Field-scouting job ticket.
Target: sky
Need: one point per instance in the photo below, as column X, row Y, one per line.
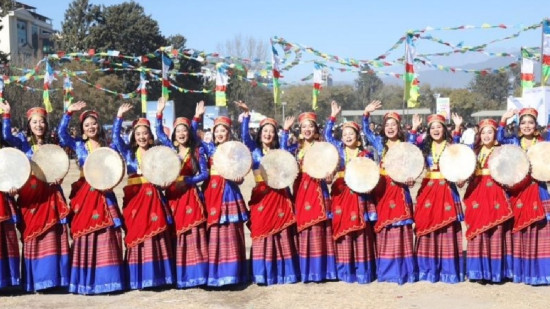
column 357, row 29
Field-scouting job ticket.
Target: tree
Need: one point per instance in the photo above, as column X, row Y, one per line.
column 80, row 18
column 493, row 88
column 367, row 84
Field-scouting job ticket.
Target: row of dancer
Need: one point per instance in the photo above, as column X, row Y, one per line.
column 310, row 236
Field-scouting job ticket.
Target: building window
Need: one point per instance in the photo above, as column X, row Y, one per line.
column 22, row 32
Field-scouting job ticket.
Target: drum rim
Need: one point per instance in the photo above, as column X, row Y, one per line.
column 153, row 179
column 308, row 155
column 53, row 146
column 109, row 149
column 27, row 163
column 418, row 153
column 295, row 168
column 366, row 159
column 217, row 155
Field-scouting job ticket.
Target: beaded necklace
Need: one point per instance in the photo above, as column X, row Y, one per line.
column 138, row 157
column 350, row 154
column 524, row 145
column 484, row 153
column 303, row 150
column 436, row 156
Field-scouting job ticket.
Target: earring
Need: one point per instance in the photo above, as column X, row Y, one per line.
column 151, row 142
column 358, row 143
column 84, row 137
column 300, row 136
column 316, row 136
column 176, row 144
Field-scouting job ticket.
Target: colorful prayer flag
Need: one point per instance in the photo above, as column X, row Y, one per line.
column 48, row 79
column 143, row 91
column 221, row 84
column 166, row 63
column 545, row 51
column 317, row 82
column 411, row 81
column 276, row 74
column 527, row 67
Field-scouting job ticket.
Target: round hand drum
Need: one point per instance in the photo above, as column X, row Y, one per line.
column 320, row 160
column 404, row 161
column 279, row 169
column 104, row 168
column 508, row 165
column 362, row 174
column 232, row 160
column 457, row 163
column 161, row 165
column 15, row 169
column 538, row 155
column 50, row 163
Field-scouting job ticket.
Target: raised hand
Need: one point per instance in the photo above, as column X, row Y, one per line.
column 200, row 109
column 161, row 104
column 416, row 122
column 457, row 120
column 372, row 106
column 75, row 107
column 123, row 109
column 240, row 104
column 335, row 109
column 508, row 114
column 5, row 106
column 289, row 121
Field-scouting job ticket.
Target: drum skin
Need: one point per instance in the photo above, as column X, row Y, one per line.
column 15, row 169
column 404, row 161
column 362, row 174
column 508, row 165
column 50, row 163
column 104, row 168
column 320, row 160
column 160, row 165
column 232, row 160
column 457, row 163
column 279, row 169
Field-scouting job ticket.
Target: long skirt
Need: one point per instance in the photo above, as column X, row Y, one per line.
column 192, row 257
column 97, row 263
column 275, row 258
column 9, row 255
column 149, row 263
column 439, row 255
column 356, row 256
column 316, row 252
column 46, row 260
column 531, row 254
column 226, row 254
column 396, row 261
column 489, row 254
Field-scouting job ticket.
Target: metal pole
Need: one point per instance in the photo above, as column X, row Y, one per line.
column 283, row 104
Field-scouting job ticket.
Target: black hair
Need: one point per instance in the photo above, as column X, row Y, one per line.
column 358, row 137
column 100, row 132
column 400, row 135
column 45, row 136
column 536, row 134
column 477, row 140
column 229, row 132
column 274, row 144
column 316, row 135
column 133, row 143
column 427, row 147
column 192, row 144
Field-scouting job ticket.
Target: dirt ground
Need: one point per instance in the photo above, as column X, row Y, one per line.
column 311, row 295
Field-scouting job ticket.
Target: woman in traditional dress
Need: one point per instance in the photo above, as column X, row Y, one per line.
column 44, row 228
column 186, row 202
column 9, row 244
column 272, row 222
column 313, row 211
column 531, row 206
column 97, row 264
column 488, row 216
column 149, row 255
column 354, row 214
column 394, row 234
column 438, row 211
column 226, row 214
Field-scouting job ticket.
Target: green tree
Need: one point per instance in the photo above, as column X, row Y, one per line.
column 80, row 18
column 493, row 87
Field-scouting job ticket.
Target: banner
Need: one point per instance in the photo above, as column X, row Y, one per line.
column 411, row 82
column 538, row 98
column 317, row 82
column 527, row 69
column 443, row 107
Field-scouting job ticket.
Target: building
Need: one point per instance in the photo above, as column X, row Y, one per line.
column 25, row 32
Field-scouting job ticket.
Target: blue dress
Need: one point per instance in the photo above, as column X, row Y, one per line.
column 149, row 254
column 531, row 248
column 226, row 214
column 46, row 260
column 272, row 224
column 97, row 263
column 187, row 205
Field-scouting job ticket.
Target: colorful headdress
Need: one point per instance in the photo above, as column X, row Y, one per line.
column 393, row 115
column 352, row 124
column 36, row 111
column 141, row 122
column 311, row 116
column 182, row 120
column 529, row 111
column 223, row 120
column 487, row 123
column 270, row 121
column 436, row 117
column 88, row 113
